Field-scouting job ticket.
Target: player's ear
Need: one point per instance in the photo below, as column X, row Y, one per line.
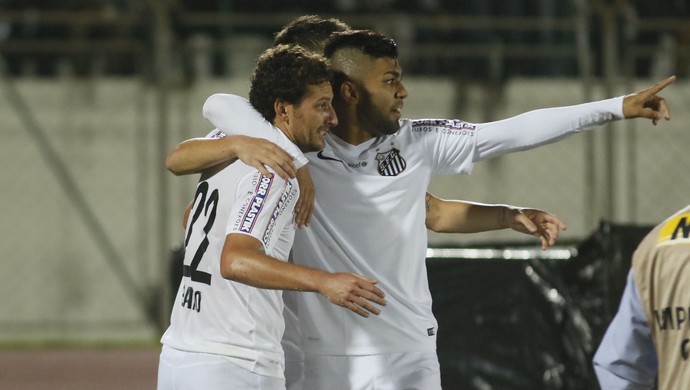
column 281, row 109
column 349, row 92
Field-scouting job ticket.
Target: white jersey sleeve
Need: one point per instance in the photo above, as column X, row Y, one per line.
column 452, row 145
column 540, row 127
column 448, row 145
column 264, row 203
column 234, row 115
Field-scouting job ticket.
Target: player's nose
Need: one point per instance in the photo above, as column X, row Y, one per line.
column 331, row 118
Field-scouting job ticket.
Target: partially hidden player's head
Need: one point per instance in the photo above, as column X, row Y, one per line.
column 368, row 78
column 309, row 31
column 292, row 89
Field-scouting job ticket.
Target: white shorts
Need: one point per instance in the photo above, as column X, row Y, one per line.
column 395, row 371
column 180, row 370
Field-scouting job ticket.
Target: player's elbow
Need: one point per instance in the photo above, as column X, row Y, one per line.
column 430, row 224
column 240, row 258
column 172, row 163
column 218, row 102
column 436, row 226
column 231, row 267
column 434, row 220
column 237, row 265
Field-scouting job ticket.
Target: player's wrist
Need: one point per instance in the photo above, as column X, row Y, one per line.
column 233, row 145
column 315, row 280
column 509, row 216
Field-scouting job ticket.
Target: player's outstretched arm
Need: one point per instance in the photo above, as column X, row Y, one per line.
column 647, row 104
column 540, row 127
column 244, row 261
column 197, row 154
column 454, row 216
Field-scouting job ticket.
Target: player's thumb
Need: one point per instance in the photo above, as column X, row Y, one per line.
column 526, row 223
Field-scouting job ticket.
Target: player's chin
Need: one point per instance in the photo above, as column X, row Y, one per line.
column 321, row 137
column 317, row 144
column 391, row 128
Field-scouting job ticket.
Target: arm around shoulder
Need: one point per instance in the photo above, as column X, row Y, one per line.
column 235, row 115
column 196, row 154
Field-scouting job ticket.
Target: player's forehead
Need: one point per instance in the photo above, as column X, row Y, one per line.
column 318, row 92
column 382, row 67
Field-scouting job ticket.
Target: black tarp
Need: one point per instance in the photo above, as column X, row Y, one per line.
column 534, row 323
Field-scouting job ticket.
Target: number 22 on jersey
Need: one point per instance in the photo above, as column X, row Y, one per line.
column 205, row 210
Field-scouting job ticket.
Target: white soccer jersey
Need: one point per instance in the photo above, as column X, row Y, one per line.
column 369, row 215
column 218, row 316
column 369, row 218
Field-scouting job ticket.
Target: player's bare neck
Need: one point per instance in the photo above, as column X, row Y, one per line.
column 351, row 134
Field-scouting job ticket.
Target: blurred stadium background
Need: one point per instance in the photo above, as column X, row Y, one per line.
column 96, row 92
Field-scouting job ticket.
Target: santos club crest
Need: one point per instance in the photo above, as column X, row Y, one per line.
column 390, row 163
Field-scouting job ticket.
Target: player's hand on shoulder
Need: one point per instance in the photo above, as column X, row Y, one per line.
column 259, row 153
column 354, row 292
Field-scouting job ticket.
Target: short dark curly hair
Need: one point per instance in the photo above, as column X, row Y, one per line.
column 309, row 31
column 284, row 73
column 368, row 42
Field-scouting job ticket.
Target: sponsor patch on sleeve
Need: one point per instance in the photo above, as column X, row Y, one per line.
column 256, row 203
column 216, row 134
column 286, row 197
column 446, row 126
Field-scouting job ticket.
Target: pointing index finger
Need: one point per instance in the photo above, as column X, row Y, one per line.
column 653, row 90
